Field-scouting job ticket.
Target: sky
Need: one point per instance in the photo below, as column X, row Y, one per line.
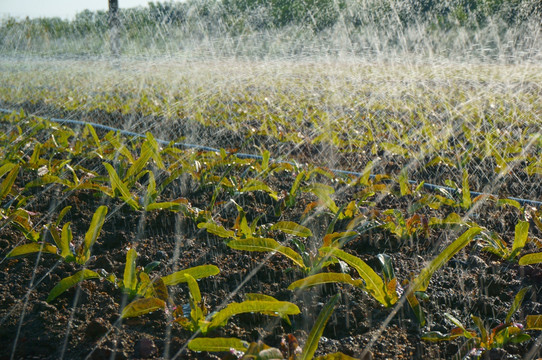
column 61, row 8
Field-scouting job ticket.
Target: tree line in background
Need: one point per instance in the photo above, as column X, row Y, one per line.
column 240, row 17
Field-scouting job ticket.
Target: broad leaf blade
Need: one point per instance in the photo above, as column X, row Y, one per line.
column 421, row 282
column 116, row 183
column 290, row 227
column 31, row 248
column 520, row 238
column 531, row 259
column 533, row 322
column 130, row 277
column 217, row 230
column 92, row 233
column 324, row 278
column 196, row 272
column 142, row 306
column 318, row 328
column 373, row 283
column 70, row 282
column 518, row 299
column 217, row 344
column 280, row 307
column 8, row 182
column 265, row 245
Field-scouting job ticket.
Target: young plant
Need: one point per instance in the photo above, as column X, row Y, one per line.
column 63, row 242
column 152, row 295
column 289, row 349
column 485, row 339
column 494, row 244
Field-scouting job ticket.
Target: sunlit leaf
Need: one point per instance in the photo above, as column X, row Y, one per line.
column 533, row 322
column 197, row 272
column 325, row 278
column 520, row 238
column 217, row 344
column 70, row 282
column 266, row 245
column 292, row 228
column 216, row 230
column 280, row 307
column 92, row 233
column 374, row 284
column 31, row 248
column 421, row 282
column 130, row 277
column 7, row 184
column 142, row 306
column 518, row 299
column 531, row 259
column 317, row 329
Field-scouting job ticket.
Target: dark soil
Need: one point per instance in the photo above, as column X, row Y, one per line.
column 85, row 321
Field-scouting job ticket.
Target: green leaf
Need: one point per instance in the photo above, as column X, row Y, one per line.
column 31, row 248
column 130, row 276
column 138, row 165
column 290, row 227
column 92, row 234
column 317, row 329
column 257, row 185
column 323, row 193
column 466, row 200
column 70, row 282
column 193, row 288
column 518, row 299
column 435, row 336
column 197, row 272
column 531, row 259
column 63, row 213
column 520, row 238
column 280, row 307
column 324, row 278
column 142, row 306
column 8, row 182
column 66, row 238
column 217, row 230
column 481, row 328
column 374, row 284
column 155, row 150
column 421, row 282
column 266, row 245
column 262, row 297
column 533, row 322
column 217, row 344
column 117, row 184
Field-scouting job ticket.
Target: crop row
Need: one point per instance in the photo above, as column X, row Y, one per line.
column 144, row 177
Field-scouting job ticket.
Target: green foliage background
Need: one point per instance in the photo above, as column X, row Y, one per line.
column 279, row 27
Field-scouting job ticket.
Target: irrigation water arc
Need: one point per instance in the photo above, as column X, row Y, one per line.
column 259, row 157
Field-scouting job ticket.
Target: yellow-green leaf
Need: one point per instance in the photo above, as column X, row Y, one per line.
column 31, row 248
column 142, row 306
column 197, row 272
column 317, row 329
column 217, row 230
column 421, row 282
column 533, row 322
column 265, row 245
column 531, row 259
column 374, row 284
column 292, row 228
column 324, row 278
column 71, row 281
column 217, row 344
column 279, row 307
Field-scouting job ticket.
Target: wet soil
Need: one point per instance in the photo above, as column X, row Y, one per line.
column 84, row 322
